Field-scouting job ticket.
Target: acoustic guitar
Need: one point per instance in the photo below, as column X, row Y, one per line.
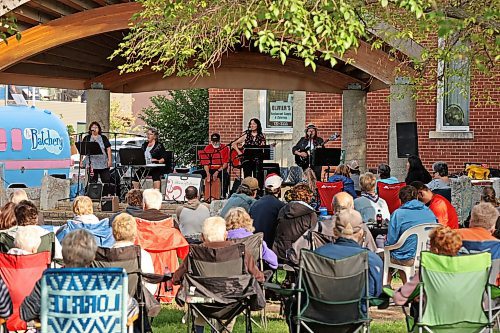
column 303, row 162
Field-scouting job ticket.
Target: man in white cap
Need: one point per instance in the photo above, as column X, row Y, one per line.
column 264, row 211
column 348, row 231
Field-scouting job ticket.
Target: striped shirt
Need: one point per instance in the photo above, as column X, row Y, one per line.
column 5, row 301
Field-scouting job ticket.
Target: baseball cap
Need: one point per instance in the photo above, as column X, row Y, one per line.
column 348, row 222
column 353, row 165
column 311, row 126
column 251, row 182
column 215, row 137
column 273, row 181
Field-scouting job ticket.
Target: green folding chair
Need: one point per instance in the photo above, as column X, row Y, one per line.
column 454, row 288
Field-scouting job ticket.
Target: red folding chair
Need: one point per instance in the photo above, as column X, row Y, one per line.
column 327, row 191
column 20, row 273
column 390, row 193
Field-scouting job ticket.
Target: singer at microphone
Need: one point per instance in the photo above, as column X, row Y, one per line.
column 98, row 165
column 305, row 147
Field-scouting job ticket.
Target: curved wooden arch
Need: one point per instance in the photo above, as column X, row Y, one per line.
column 66, row 29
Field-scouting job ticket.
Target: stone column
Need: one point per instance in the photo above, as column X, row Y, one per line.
column 403, row 108
column 354, row 126
column 98, row 107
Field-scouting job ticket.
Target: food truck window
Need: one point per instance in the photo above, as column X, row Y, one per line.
column 17, row 139
column 3, row 140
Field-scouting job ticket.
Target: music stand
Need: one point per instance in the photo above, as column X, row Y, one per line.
column 132, row 157
column 207, row 159
column 88, row 149
column 257, row 154
column 327, row 157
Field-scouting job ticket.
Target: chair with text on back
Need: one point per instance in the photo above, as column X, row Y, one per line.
column 421, row 232
column 217, row 286
column 327, row 191
column 390, row 193
column 20, row 274
column 98, row 299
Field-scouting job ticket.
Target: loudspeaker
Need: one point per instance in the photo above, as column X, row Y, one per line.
column 407, row 139
column 110, row 204
column 94, row 191
column 269, row 168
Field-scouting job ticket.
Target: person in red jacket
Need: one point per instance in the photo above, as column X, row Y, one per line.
column 440, row 206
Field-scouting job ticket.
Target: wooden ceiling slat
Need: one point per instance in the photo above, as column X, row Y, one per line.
column 70, row 52
column 42, row 81
column 54, row 6
column 46, row 70
column 74, row 5
column 32, row 16
column 50, row 59
column 101, row 2
column 35, row 5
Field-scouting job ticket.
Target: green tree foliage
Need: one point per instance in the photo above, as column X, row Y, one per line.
column 190, row 37
column 8, row 25
column 181, row 118
column 120, row 121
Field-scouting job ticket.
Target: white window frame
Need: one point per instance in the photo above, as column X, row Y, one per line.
column 263, row 116
column 440, row 101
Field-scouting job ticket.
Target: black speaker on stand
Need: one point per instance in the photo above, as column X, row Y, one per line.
column 407, row 139
column 94, row 191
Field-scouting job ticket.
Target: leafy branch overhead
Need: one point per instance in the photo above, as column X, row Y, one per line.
column 190, row 37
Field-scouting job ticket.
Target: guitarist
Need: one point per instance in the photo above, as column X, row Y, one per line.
column 306, row 145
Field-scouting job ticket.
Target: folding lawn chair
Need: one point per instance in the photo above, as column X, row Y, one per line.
column 327, row 191
column 217, row 286
column 454, row 289
column 84, row 300
column 390, row 193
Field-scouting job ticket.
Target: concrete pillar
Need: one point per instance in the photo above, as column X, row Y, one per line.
column 402, row 109
column 354, row 126
column 98, row 107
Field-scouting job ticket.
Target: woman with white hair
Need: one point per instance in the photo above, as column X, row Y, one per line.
column 369, row 204
column 27, row 241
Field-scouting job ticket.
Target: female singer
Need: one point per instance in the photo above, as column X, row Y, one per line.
column 98, row 164
column 155, row 153
column 253, row 137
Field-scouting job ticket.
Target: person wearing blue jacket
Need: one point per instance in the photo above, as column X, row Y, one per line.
column 343, row 174
column 411, row 213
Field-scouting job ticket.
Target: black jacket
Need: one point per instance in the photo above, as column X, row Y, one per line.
column 158, row 152
column 264, row 213
column 294, row 219
column 303, row 142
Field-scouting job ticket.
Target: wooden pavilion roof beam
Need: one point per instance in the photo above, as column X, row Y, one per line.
column 32, row 16
column 55, row 8
column 8, row 5
column 79, row 5
column 69, row 52
column 75, row 63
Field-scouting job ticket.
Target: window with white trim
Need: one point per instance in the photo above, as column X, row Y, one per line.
column 276, row 111
column 453, row 94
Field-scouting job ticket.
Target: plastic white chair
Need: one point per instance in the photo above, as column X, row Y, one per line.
column 422, row 231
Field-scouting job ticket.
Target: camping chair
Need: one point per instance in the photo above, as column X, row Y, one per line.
column 48, row 243
column 253, row 246
column 217, row 285
column 128, row 258
column 20, row 274
column 166, row 245
column 98, row 297
column 450, row 281
column 390, row 193
column 327, row 191
column 420, row 231
column 101, row 231
column 331, row 295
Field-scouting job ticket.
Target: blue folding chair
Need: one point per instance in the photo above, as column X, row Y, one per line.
column 84, row 300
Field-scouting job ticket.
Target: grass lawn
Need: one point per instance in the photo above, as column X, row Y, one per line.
column 170, row 318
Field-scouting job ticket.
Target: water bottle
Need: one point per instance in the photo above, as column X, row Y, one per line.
column 168, row 284
column 379, row 219
column 323, row 211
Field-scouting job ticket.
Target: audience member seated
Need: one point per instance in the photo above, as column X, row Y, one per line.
column 340, row 202
column 482, row 223
column 191, row 215
column 85, row 219
column 27, row 215
column 443, row 241
column 265, row 210
column 151, row 205
column 27, row 241
column 355, row 175
column 214, row 235
column 125, row 233
column 78, row 250
column 244, row 196
column 239, row 225
column 342, row 174
column 133, row 198
column 309, row 178
column 18, row 195
column 295, row 218
column 8, row 217
column 384, row 174
column 440, row 179
column 416, row 171
column 5, row 301
column 411, row 213
column 348, row 232
column 490, row 196
column 369, row 204
column 440, row 206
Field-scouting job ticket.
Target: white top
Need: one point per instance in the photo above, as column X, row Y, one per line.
column 147, row 154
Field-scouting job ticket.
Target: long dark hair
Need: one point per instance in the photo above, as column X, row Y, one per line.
column 98, row 126
column 259, row 125
column 417, row 171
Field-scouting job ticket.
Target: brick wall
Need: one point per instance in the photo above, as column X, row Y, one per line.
column 325, row 111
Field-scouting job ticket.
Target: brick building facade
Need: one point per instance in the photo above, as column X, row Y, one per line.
column 480, row 144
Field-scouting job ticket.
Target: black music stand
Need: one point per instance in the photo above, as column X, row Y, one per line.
column 327, row 157
column 86, row 148
column 132, row 157
column 207, row 159
column 257, row 154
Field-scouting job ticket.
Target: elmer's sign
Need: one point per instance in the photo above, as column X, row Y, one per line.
column 44, row 138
